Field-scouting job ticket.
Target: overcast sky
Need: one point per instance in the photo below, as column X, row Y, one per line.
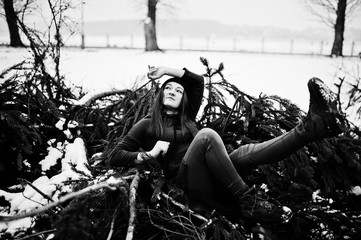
column 278, row 13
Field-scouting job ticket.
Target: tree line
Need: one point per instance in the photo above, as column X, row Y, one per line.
column 334, row 14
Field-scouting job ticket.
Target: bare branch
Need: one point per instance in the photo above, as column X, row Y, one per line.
column 91, row 97
column 167, row 230
column 111, row 228
column 112, row 186
column 326, row 10
column 37, row 234
column 132, row 205
column 37, row 190
column 111, row 231
column 353, row 6
column 184, row 208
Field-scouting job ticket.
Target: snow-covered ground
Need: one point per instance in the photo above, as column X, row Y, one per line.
column 284, row 75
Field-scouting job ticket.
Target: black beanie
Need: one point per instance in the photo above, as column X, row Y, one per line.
column 180, row 81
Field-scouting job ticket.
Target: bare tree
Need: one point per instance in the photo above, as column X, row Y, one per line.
column 12, row 22
column 334, row 13
column 166, row 8
column 150, row 32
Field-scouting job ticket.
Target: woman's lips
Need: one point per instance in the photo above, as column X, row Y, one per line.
column 171, row 98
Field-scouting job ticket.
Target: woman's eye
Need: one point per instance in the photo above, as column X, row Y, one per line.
column 180, row 91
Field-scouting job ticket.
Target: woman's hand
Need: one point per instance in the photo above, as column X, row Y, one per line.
column 160, row 148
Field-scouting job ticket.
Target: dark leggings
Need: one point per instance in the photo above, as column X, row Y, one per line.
column 208, row 171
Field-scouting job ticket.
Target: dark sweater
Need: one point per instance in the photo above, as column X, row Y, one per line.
column 139, row 138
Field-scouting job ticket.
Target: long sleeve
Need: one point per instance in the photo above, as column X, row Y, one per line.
column 126, row 150
column 124, row 153
column 196, row 82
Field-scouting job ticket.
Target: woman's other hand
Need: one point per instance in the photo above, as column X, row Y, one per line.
column 156, row 72
column 160, row 148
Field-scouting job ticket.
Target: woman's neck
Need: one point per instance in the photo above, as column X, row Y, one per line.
column 171, row 111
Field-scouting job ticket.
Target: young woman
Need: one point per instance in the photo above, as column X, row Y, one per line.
column 197, row 159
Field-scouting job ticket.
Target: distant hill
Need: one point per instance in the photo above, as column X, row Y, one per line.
column 206, row 28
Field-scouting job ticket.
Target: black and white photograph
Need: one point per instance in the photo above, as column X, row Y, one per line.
column 188, row 119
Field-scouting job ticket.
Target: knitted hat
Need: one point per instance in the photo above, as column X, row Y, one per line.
column 180, row 81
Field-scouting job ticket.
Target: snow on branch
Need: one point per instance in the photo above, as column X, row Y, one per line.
column 112, row 185
column 88, row 98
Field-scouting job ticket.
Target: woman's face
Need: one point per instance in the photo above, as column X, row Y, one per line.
column 173, row 93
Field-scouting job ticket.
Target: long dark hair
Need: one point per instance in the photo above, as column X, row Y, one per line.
column 186, row 122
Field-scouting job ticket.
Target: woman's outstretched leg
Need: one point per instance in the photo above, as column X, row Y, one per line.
column 250, row 156
column 323, row 120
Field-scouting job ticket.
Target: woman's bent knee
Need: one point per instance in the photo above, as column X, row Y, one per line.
column 207, row 132
column 208, row 135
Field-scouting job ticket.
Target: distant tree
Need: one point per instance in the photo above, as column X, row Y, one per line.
column 12, row 21
column 153, row 8
column 150, row 32
column 334, row 14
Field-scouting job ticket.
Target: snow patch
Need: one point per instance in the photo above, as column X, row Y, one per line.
column 356, row 190
column 35, row 195
column 51, row 159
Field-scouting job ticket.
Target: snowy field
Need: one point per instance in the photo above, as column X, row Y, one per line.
column 284, row 75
